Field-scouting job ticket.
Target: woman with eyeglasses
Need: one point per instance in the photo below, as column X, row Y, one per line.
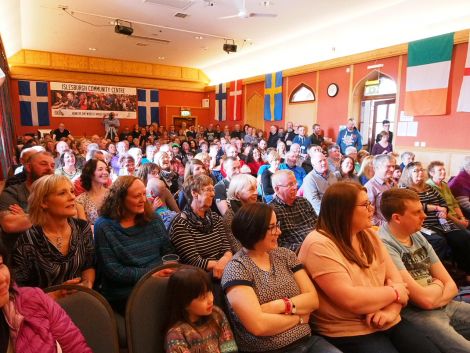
column 198, row 233
column 360, row 290
column 437, row 222
column 270, row 295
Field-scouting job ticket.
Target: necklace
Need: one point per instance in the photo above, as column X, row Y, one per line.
column 58, row 243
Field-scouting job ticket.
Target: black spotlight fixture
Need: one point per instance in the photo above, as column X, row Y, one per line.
column 122, row 29
column 230, row 47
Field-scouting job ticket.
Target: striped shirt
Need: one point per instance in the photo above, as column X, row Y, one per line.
column 430, row 196
column 38, row 263
column 197, row 246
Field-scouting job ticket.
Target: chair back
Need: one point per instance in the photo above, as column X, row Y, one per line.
column 92, row 314
column 146, row 313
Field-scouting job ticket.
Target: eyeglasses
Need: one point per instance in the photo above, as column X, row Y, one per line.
column 290, row 185
column 274, row 227
column 367, row 205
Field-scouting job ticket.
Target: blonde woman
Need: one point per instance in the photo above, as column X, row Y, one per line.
column 58, row 248
column 366, row 172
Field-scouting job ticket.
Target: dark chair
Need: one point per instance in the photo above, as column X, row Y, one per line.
column 146, row 313
column 92, row 314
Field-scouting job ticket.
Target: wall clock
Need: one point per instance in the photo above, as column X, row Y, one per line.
column 332, row 90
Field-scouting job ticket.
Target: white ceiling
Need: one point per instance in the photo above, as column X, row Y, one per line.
column 304, row 31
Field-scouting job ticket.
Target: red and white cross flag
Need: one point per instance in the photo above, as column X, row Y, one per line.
column 235, row 100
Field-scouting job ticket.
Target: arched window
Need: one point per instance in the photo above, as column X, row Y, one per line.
column 302, row 93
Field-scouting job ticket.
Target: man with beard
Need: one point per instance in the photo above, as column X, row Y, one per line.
column 290, row 135
column 14, row 199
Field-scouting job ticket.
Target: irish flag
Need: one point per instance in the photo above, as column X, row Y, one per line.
column 427, row 75
column 464, row 98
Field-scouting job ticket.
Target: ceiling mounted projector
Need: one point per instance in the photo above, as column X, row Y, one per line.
column 122, row 29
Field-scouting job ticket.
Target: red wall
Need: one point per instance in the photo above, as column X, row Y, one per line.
column 331, row 112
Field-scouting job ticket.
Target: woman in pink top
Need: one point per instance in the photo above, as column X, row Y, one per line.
column 30, row 321
column 359, row 288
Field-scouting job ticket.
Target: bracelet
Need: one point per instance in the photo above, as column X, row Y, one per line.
column 397, row 298
column 288, row 306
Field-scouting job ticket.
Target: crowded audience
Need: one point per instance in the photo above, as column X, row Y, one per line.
column 278, row 228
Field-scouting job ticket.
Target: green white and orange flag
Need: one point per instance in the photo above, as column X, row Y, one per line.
column 427, row 75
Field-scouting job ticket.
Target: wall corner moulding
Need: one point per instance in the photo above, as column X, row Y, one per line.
column 35, row 59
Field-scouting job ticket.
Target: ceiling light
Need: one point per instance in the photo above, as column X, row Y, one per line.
column 198, row 37
column 92, row 49
column 161, row 58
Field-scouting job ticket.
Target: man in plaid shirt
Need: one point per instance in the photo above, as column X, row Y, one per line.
column 296, row 215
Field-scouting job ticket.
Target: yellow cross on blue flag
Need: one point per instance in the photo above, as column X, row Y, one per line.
column 273, row 96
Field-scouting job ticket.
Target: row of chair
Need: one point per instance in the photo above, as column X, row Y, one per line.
column 142, row 327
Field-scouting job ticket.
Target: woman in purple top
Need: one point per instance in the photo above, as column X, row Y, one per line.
column 383, row 146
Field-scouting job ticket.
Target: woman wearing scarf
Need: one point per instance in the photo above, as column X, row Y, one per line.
column 198, row 233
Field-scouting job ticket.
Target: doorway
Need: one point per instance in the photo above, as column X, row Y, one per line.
column 377, row 95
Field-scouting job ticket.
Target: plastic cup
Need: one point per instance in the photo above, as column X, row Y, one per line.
column 170, row 259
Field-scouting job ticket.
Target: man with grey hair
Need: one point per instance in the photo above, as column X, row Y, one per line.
column 406, row 158
column 460, row 187
column 379, row 183
column 295, row 215
column 318, row 180
column 291, row 164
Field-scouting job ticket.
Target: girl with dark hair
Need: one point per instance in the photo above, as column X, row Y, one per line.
column 360, row 290
column 254, row 161
column 270, row 295
column 130, row 240
column 31, row 321
column 95, row 181
column 69, row 165
column 195, row 324
column 347, row 172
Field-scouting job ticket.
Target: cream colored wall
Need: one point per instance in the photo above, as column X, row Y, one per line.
column 452, row 158
column 302, row 114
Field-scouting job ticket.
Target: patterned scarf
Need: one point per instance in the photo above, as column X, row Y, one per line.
column 203, row 225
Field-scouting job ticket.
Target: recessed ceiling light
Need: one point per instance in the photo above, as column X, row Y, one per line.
column 198, row 37
column 92, row 49
column 161, row 58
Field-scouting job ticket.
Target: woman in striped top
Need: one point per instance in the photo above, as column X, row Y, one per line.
column 436, row 210
column 58, row 248
column 198, row 233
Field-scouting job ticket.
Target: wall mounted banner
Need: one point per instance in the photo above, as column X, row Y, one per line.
column 92, row 101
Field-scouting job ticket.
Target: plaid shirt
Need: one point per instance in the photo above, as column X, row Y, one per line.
column 297, row 221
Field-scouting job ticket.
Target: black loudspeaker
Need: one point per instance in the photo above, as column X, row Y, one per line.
column 123, row 30
column 230, row 48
